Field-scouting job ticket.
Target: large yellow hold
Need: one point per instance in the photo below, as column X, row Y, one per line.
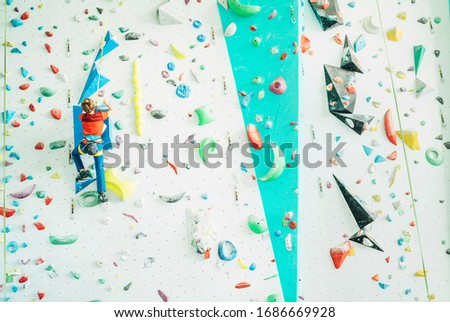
column 394, row 34
column 411, row 139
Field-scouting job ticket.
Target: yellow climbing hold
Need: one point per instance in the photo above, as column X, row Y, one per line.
column 432, row 297
column 377, row 198
column 411, row 138
column 394, row 34
column 8, row 44
column 178, row 54
column 56, row 175
column 408, row 249
column 40, row 6
column 402, row 15
column 352, row 251
column 422, row 273
column 241, row 264
column 119, row 184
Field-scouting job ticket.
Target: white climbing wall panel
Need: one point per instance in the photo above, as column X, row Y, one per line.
column 106, row 235
column 326, row 219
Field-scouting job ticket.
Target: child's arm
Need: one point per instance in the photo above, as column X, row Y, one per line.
column 108, row 105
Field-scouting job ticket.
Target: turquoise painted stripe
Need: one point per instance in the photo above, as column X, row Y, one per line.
column 278, row 196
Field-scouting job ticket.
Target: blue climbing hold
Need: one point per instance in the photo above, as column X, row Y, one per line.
column 171, row 66
column 367, row 150
column 201, row 38
column 197, row 24
column 359, row 44
column 183, row 91
column 24, row 72
column 24, row 43
column 7, row 87
column 7, row 116
column 9, row 2
column 16, row 22
column 383, row 285
column 16, row 51
column 379, row 159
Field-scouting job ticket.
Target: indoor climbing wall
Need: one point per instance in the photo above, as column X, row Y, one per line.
column 402, row 49
column 168, row 233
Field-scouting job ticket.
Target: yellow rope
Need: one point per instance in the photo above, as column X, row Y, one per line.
column 404, row 151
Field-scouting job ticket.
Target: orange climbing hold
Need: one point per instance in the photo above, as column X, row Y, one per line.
column 306, row 44
column 254, row 137
column 55, row 69
column 339, row 254
column 56, row 113
column 48, row 47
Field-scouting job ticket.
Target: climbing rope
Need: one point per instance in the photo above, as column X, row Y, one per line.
column 404, row 151
column 4, row 151
column 102, row 46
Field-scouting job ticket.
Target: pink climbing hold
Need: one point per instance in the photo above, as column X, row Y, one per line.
column 56, row 113
column 24, row 193
column 163, row 296
column 278, row 86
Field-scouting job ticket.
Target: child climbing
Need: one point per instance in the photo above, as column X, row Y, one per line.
column 92, row 122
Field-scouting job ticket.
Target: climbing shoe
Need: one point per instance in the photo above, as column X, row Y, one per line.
column 102, row 197
column 83, row 175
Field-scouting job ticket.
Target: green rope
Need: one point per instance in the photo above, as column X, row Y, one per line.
column 404, row 152
column 4, row 151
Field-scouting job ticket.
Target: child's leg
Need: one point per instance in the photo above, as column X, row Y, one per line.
column 77, row 158
column 99, row 170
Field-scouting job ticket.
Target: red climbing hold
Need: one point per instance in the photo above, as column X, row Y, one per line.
column 41, row 295
column 49, row 34
column 242, row 285
column 39, row 146
column 253, row 28
column 254, row 137
column 39, row 225
column 283, row 57
column 55, row 69
column 32, row 108
column 15, row 123
column 339, row 254
column 8, row 212
column 23, row 177
column 392, row 156
column 48, row 47
column 292, row 225
column 48, row 200
column 23, row 279
column 25, row 15
column 24, row 87
column 86, row 11
column 56, row 113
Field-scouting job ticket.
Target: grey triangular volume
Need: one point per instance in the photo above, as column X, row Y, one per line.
column 328, row 18
column 422, row 88
column 349, row 61
column 169, row 13
column 339, row 100
column 363, row 238
column 357, row 206
column 357, row 122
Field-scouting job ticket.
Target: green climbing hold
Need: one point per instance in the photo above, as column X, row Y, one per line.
column 434, row 157
column 88, row 199
column 102, row 281
column 48, row 168
column 257, row 80
column 49, row 268
column 209, row 143
column 57, row 144
column 24, row 116
column 88, row 51
column 118, row 94
column 256, row 225
column 419, row 51
column 65, row 240
column 85, row 66
column 93, row 18
column 47, row 92
column 437, row 20
column 123, row 29
column 40, row 194
column 273, row 298
column 75, row 275
column 202, row 67
column 118, row 125
column 256, row 41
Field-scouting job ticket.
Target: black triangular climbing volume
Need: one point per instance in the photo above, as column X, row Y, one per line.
column 357, row 122
column 363, row 238
column 349, row 61
column 339, row 99
column 327, row 13
column 358, row 207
